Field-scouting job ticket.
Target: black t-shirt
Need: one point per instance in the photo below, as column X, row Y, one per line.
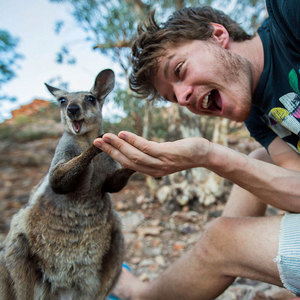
column 276, row 101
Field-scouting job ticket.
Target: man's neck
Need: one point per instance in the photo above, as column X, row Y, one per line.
column 253, row 51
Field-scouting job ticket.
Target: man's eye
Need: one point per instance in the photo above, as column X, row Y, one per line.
column 178, row 70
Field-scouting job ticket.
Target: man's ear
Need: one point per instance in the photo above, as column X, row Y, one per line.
column 220, row 35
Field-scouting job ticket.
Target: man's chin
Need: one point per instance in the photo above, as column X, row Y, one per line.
column 242, row 117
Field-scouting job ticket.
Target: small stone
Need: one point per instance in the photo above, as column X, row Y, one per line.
column 163, row 194
column 156, row 242
column 131, row 220
column 178, row 246
column 160, row 260
column 153, row 231
column 141, row 199
column 146, row 263
column 185, row 208
column 135, row 260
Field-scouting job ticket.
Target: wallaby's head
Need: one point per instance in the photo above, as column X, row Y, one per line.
column 81, row 112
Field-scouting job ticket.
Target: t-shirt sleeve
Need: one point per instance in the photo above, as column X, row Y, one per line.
column 286, row 17
column 258, row 128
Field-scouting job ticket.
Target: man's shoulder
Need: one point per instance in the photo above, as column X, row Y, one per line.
column 284, row 16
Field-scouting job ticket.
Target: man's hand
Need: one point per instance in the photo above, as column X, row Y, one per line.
column 155, row 159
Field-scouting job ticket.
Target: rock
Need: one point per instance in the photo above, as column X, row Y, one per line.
column 152, row 252
column 163, row 194
column 130, row 237
column 190, row 216
column 188, row 228
column 141, row 199
column 178, row 246
column 120, row 205
column 215, row 214
column 31, row 108
column 160, row 260
column 154, row 230
column 155, row 242
column 183, row 199
column 138, row 245
column 131, row 220
column 135, row 260
column 208, row 200
column 154, row 222
column 193, row 239
column 146, row 263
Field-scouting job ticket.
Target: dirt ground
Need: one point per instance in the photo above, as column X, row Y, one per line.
column 155, row 234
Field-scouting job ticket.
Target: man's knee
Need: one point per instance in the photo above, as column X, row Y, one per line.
column 212, row 248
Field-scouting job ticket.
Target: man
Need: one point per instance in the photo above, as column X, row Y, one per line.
column 203, row 60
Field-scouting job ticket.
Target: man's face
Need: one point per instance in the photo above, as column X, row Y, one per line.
column 207, row 79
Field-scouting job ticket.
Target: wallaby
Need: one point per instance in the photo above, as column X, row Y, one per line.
column 66, row 243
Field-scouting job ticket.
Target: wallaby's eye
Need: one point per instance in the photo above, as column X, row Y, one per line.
column 91, row 99
column 62, row 100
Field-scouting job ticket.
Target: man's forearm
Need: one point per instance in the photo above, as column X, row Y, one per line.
column 272, row 184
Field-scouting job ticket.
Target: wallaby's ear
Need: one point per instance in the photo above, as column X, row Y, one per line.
column 55, row 91
column 104, row 83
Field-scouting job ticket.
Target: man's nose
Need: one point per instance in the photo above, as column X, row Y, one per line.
column 183, row 94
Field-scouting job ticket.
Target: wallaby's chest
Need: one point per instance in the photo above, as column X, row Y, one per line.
column 69, row 248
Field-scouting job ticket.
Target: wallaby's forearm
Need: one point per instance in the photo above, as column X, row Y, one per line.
column 64, row 177
column 115, row 182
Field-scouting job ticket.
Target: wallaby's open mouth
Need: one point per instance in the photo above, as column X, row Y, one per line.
column 77, row 125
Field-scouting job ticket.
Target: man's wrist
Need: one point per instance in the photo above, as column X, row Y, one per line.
column 202, row 154
column 219, row 158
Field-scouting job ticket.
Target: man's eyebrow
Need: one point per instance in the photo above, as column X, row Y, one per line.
column 166, row 67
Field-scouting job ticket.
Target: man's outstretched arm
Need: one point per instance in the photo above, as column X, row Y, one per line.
column 273, row 184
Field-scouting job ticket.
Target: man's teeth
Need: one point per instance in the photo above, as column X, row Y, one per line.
column 206, row 103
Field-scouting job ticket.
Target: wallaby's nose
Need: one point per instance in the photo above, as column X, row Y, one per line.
column 73, row 111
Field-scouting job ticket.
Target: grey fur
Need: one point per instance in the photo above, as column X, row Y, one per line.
column 67, row 242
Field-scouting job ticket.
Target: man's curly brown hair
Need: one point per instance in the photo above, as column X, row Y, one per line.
column 193, row 23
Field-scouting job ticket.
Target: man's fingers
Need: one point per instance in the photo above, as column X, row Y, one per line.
column 145, row 146
column 114, row 146
column 127, row 163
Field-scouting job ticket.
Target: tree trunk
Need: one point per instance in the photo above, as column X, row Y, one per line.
column 147, row 119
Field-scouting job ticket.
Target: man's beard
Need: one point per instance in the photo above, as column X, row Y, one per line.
column 237, row 74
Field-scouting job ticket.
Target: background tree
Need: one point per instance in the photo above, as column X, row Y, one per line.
column 8, row 59
column 110, row 27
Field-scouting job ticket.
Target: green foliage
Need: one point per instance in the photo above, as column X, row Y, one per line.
column 159, row 124
column 17, row 133
column 134, row 123
column 6, row 132
column 8, row 59
column 22, row 120
column 110, row 27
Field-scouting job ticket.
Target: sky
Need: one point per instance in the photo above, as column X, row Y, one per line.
column 33, row 22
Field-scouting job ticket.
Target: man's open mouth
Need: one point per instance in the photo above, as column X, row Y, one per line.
column 212, row 101
column 77, row 125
